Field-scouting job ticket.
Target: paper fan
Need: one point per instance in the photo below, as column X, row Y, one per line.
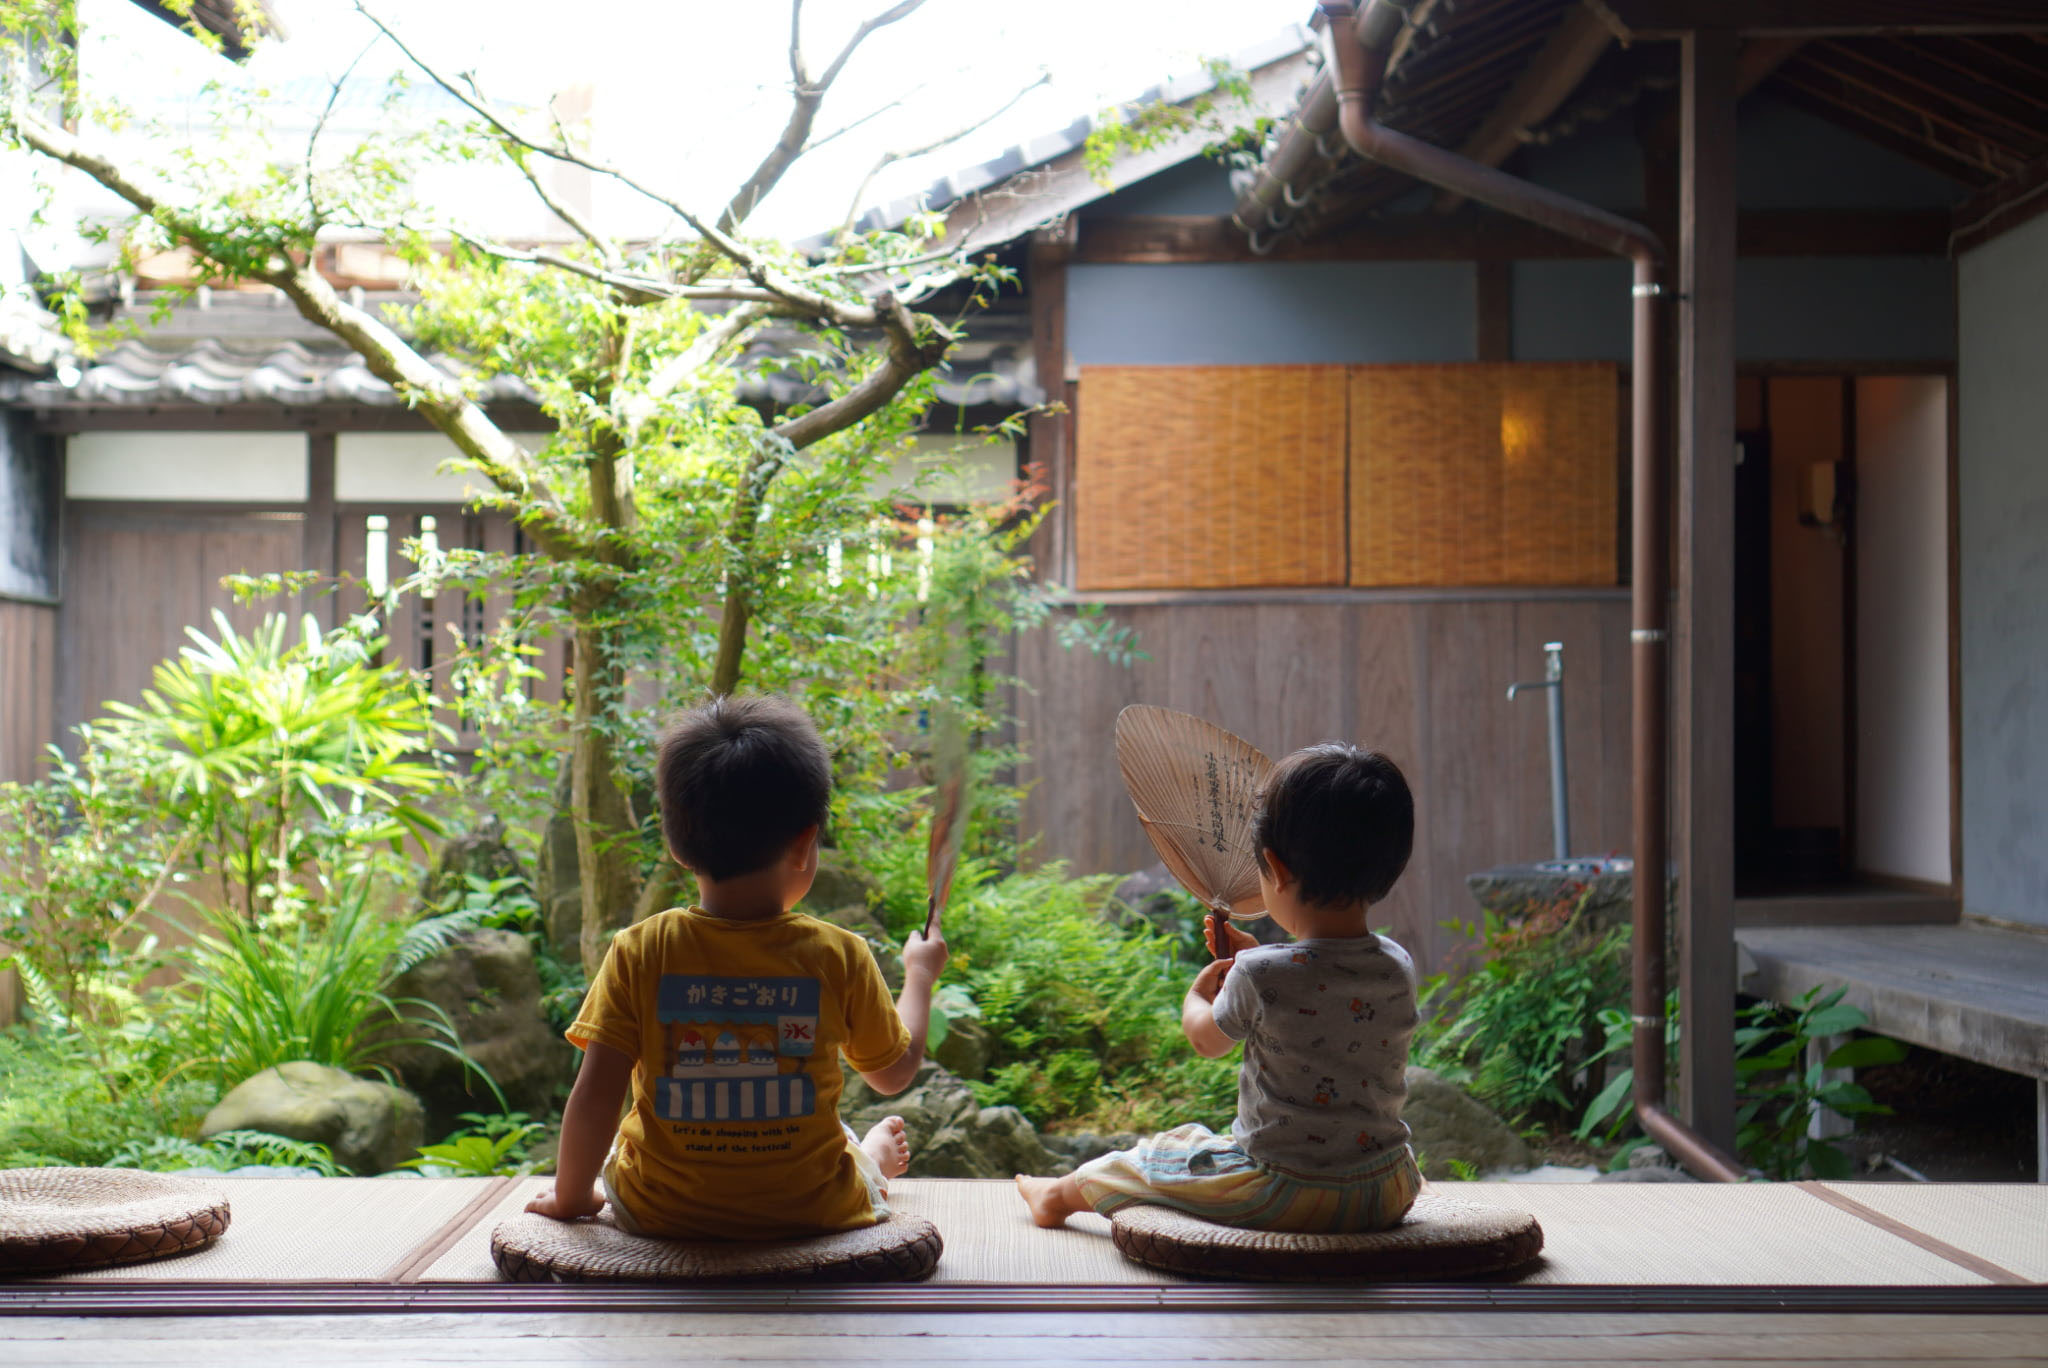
column 1195, row 786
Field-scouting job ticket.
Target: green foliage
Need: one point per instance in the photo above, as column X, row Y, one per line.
column 226, row 1150
column 62, row 1103
column 487, row 1147
column 82, row 856
column 301, row 985
column 1084, row 1014
column 1779, row 1091
column 1524, row 1028
column 279, row 755
column 1223, row 113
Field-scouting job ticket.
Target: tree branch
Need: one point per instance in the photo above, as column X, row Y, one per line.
column 888, row 159
column 320, row 125
column 389, row 357
column 803, row 113
column 606, row 251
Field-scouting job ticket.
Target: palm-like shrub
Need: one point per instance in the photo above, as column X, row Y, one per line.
column 279, row 754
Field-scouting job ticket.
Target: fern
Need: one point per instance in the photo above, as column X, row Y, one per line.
column 429, row 936
column 43, row 1002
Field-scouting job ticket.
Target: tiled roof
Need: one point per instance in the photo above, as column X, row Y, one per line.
column 958, row 185
column 270, row 361
column 29, row 336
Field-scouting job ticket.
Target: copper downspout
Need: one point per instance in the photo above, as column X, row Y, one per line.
column 1360, row 60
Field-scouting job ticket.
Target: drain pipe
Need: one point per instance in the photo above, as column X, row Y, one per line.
column 1360, row 41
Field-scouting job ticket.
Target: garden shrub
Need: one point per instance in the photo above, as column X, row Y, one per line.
column 61, row 1104
column 1523, row 1029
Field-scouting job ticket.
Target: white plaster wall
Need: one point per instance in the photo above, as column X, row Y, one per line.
column 405, row 467
column 981, row 471
column 1901, row 546
column 2003, row 507
column 210, row 467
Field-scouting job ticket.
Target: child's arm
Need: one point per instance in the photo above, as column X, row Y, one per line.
column 588, row 1124
column 1198, row 1013
column 923, row 959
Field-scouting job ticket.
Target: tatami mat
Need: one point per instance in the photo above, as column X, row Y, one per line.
column 469, row 1258
column 1712, row 1234
column 990, row 1238
column 2004, row 1223
column 1646, row 1235
column 315, row 1230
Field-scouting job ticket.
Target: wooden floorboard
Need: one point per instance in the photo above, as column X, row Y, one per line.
column 1159, row 1337
column 1968, row 990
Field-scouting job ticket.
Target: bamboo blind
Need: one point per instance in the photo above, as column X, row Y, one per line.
column 1500, row 473
column 1198, row 477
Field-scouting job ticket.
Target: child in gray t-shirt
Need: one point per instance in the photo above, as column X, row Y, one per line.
column 1318, row 1144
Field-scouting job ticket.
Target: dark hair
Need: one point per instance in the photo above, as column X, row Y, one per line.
column 740, row 778
column 1341, row 819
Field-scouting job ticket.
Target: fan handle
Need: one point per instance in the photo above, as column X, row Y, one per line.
column 1219, row 936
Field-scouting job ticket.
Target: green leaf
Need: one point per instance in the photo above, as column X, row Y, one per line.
column 1837, row 1019
column 1864, row 1051
column 1828, row 1162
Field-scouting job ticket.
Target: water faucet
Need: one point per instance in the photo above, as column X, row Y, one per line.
column 1560, row 808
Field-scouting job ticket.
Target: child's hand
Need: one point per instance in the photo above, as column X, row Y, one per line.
column 926, row 955
column 552, row 1203
column 1209, row 982
column 1238, row 940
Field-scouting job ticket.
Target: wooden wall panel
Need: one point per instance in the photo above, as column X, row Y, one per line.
column 1423, row 681
column 135, row 580
column 28, row 687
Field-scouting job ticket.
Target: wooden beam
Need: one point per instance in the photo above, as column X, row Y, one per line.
column 1545, row 83
column 2001, row 207
column 320, row 531
column 1051, row 433
column 1479, row 235
column 1703, row 671
column 1760, row 57
column 1825, row 18
column 1818, row 94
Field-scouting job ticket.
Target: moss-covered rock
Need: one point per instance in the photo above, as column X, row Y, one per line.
column 368, row 1127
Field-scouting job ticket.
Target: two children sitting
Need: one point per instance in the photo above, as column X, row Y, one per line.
column 726, row 1021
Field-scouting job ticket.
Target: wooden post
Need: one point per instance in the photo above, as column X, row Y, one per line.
column 321, row 531
column 1051, row 433
column 1703, row 710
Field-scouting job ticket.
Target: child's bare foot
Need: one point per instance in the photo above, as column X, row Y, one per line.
column 1051, row 1200
column 888, row 1146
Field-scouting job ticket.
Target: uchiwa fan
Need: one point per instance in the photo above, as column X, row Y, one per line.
column 1195, row 786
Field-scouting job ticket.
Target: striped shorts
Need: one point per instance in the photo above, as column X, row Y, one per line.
column 1192, row 1169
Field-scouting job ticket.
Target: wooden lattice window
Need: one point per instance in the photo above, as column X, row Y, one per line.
column 1484, row 474
column 1195, row 477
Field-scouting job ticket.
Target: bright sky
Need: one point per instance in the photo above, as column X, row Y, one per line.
column 692, row 92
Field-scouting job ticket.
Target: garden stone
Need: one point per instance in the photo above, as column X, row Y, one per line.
column 1646, row 1175
column 1445, row 1123
column 480, row 854
column 1606, row 886
column 486, row 982
column 1078, row 1147
column 1649, row 1156
column 839, row 883
column 368, row 1127
column 991, row 1142
column 1147, row 896
column 967, row 1048
column 951, row 1134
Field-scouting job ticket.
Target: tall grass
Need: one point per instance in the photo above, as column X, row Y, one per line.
column 311, row 986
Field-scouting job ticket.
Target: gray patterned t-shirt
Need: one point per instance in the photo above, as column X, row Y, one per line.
column 1325, row 1026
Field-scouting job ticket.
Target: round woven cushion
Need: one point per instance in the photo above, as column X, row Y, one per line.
column 529, row 1248
column 56, row 1219
column 1438, row 1239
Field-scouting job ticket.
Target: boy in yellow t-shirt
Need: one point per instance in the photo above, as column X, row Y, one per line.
column 727, row 1019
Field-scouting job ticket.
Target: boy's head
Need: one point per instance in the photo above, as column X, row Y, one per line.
column 740, row 780
column 1340, row 819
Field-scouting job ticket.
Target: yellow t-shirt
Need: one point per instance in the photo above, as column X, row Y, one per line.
column 736, row 1028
